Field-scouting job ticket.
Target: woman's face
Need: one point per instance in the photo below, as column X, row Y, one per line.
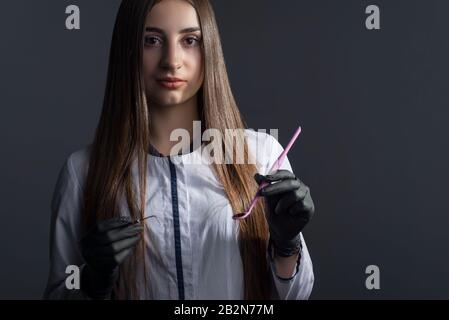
column 172, row 49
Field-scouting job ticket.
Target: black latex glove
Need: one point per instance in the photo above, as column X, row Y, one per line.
column 104, row 248
column 290, row 208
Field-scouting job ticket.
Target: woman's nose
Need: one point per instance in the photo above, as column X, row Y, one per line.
column 171, row 58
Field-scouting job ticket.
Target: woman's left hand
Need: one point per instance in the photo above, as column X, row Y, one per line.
column 290, row 208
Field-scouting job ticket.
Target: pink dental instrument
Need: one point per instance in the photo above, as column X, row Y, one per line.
column 275, row 166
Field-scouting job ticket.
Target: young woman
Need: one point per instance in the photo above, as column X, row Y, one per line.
column 166, row 71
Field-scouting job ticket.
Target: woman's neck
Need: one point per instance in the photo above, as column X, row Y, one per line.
column 168, row 118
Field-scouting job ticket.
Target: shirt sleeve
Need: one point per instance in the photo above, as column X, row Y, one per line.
column 65, row 223
column 299, row 285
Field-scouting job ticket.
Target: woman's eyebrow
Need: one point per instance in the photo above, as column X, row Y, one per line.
column 158, row 30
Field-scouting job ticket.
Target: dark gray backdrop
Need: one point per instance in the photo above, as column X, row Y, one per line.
column 373, row 106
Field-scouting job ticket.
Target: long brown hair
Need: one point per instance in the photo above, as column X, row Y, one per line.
column 122, row 136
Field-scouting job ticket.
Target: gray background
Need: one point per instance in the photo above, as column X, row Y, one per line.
column 373, row 106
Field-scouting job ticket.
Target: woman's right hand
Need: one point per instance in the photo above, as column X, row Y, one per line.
column 104, row 248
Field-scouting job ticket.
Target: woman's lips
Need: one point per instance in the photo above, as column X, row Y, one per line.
column 171, row 84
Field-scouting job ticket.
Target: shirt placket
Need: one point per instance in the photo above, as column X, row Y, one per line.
column 181, row 230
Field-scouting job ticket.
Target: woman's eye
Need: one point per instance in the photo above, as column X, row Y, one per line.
column 155, row 41
column 152, row 41
column 192, row 41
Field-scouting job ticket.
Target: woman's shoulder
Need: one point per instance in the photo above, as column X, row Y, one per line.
column 261, row 139
column 80, row 157
column 259, row 136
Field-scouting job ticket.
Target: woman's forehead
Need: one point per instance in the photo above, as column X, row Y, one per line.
column 172, row 16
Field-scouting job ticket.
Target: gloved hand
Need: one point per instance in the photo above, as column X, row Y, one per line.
column 290, row 208
column 104, row 248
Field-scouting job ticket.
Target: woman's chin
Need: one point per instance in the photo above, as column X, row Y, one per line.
column 163, row 100
column 170, row 99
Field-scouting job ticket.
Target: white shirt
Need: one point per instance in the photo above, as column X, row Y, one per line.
column 192, row 210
